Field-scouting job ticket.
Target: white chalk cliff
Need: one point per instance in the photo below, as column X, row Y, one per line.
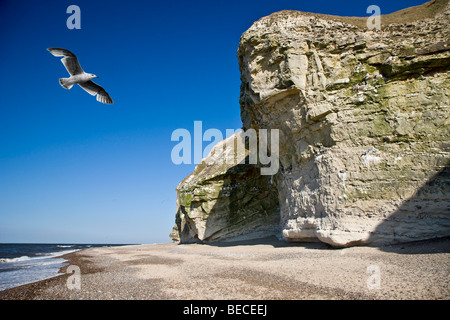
column 364, row 134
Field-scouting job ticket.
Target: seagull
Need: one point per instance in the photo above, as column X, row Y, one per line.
column 78, row 76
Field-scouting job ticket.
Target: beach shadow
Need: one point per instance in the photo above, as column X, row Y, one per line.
column 437, row 245
column 272, row 241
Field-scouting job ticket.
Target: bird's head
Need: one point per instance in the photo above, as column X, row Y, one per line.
column 92, row 76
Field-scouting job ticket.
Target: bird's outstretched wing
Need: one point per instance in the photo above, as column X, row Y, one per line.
column 95, row 89
column 70, row 60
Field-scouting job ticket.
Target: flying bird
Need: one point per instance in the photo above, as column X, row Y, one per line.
column 78, row 76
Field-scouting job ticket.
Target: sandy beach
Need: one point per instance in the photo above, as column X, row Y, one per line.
column 264, row 269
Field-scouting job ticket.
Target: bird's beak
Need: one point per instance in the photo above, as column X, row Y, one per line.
column 97, row 76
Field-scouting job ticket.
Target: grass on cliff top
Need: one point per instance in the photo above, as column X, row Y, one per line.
column 408, row 15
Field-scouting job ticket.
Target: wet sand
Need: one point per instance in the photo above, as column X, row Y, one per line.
column 264, row 269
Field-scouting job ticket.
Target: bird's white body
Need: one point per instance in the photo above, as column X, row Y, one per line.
column 67, row 83
column 78, row 76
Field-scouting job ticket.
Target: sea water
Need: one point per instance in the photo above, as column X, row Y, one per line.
column 30, row 262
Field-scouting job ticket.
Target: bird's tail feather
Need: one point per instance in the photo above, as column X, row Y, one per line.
column 64, row 84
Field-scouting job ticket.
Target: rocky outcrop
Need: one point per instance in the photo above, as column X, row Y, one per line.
column 224, row 200
column 364, row 146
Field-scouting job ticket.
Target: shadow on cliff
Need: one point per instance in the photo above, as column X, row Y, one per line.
column 429, row 209
column 252, row 212
column 247, row 209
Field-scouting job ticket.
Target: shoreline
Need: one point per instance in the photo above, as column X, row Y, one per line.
column 253, row 270
column 29, row 291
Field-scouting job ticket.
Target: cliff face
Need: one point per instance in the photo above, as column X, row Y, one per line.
column 224, row 200
column 364, row 139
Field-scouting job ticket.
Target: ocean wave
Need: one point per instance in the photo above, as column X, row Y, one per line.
column 22, row 258
column 16, row 274
column 33, row 262
column 38, row 256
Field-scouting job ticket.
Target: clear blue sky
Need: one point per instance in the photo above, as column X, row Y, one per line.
column 73, row 170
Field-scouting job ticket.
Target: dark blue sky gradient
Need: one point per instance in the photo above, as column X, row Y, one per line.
column 75, row 170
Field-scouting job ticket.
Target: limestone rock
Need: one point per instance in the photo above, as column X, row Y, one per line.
column 223, row 200
column 364, row 132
